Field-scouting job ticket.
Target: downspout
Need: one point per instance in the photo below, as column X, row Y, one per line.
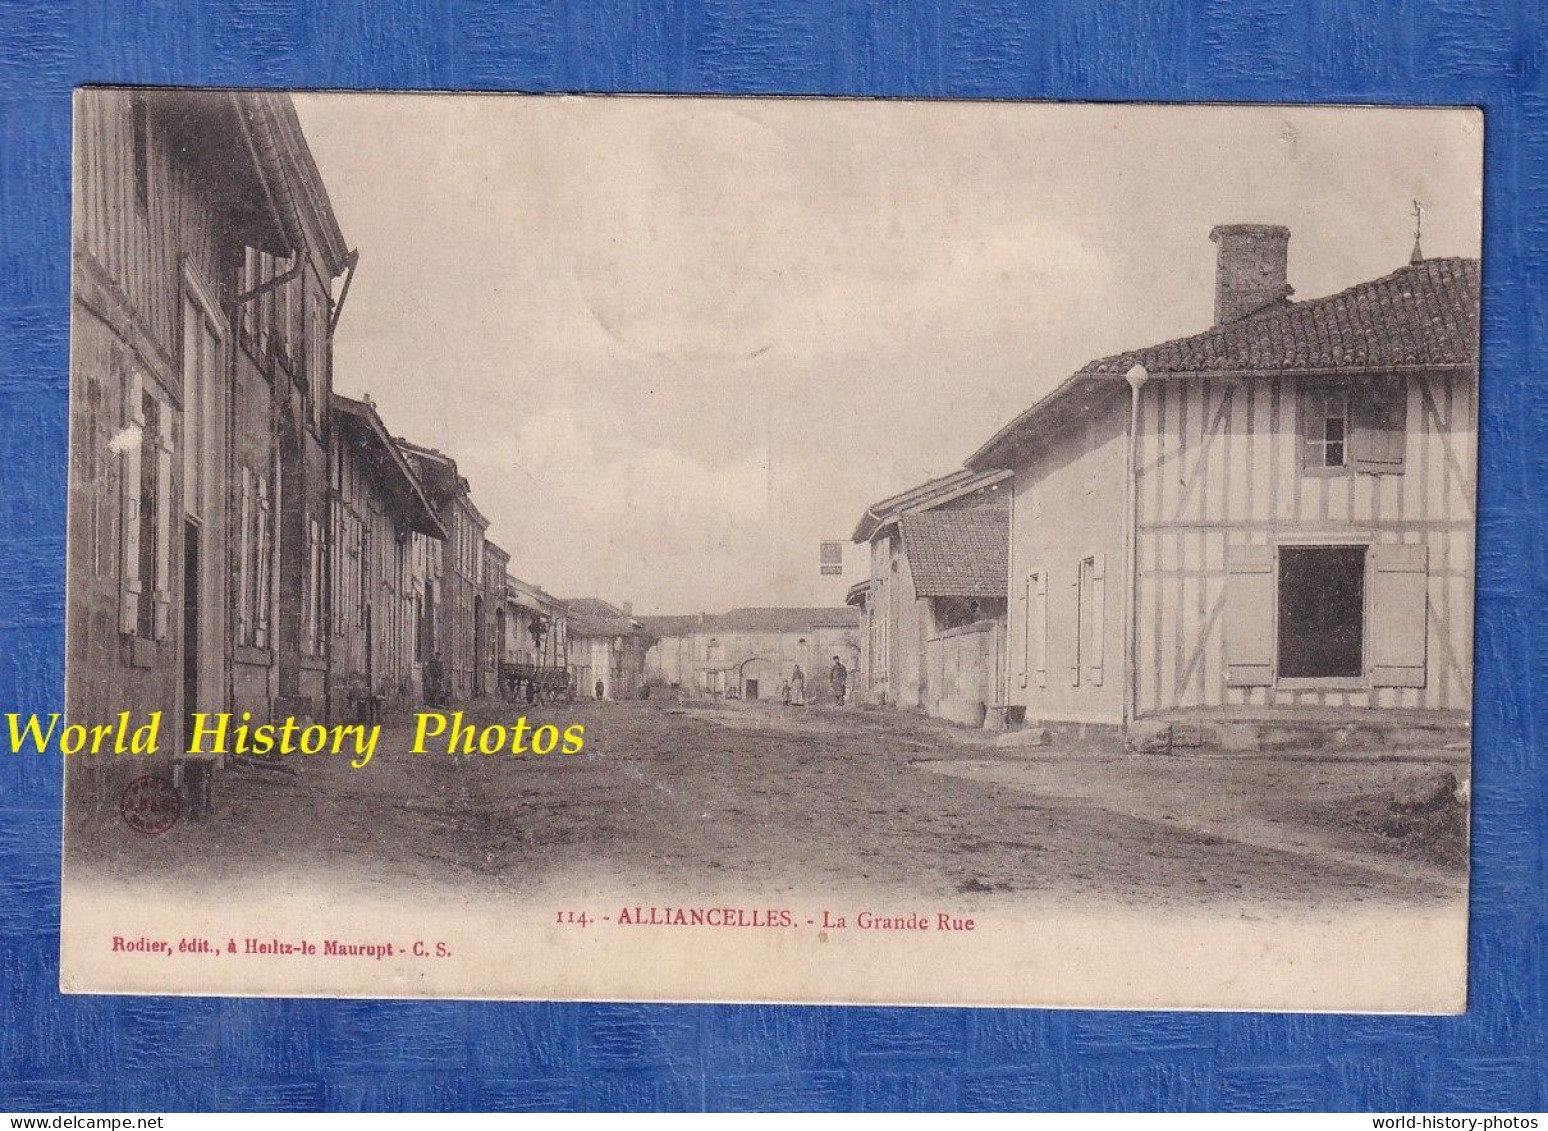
column 1136, row 377
column 1010, row 589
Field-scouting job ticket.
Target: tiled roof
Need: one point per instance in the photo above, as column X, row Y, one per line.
column 783, row 619
column 1423, row 315
column 670, row 625
column 961, row 553
column 591, row 616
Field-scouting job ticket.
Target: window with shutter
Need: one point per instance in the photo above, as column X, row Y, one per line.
column 129, row 443
column 1399, row 612
column 1249, row 632
column 1360, row 426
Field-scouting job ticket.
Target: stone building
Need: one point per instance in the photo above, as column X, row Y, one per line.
column 752, row 653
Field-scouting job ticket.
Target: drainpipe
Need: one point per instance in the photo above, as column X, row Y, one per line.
column 1010, row 596
column 1137, row 376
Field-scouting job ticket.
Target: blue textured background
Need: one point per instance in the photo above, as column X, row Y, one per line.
column 112, row 1053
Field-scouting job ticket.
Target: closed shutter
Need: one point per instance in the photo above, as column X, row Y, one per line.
column 1077, row 637
column 1040, row 633
column 1098, row 619
column 1378, row 417
column 265, row 554
column 164, row 509
column 244, row 561
column 1025, row 597
column 132, row 442
column 1399, row 628
column 1250, row 616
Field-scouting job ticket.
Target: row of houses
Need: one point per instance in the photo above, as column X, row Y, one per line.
column 241, row 536
column 1270, row 519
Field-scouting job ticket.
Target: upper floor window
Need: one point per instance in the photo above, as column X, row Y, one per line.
column 1327, row 427
column 1354, row 426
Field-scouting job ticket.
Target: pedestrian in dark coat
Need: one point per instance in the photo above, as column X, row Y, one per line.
column 838, row 676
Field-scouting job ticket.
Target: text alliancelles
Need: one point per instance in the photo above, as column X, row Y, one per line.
column 212, row 735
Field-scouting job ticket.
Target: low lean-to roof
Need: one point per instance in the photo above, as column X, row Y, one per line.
column 958, row 553
column 1423, row 317
column 931, row 493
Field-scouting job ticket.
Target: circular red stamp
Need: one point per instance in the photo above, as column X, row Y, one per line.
column 150, row 805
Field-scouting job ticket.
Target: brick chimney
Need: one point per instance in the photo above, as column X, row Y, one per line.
column 1250, row 269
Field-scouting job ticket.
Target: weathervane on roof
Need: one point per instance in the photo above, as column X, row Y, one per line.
column 1418, row 256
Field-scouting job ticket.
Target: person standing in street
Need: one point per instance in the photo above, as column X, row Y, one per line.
column 798, row 686
column 838, row 675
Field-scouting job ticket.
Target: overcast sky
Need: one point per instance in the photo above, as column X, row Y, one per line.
column 675, row 343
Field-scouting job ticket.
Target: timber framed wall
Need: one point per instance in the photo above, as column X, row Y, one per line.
column 1220, row 473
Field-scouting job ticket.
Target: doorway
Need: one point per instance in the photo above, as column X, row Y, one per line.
column 1321, row 612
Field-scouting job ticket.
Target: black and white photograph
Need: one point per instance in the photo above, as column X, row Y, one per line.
column 770, row 549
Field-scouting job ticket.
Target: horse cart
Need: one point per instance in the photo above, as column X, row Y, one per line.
column 534, row 683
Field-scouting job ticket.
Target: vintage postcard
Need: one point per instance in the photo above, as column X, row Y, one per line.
column 782, row 550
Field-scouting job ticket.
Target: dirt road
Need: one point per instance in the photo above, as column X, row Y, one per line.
column 776, row 800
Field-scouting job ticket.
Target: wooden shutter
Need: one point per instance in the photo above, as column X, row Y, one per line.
column 1079, row 586
column 1399, row 615
column 1097, row 598
column 265, row 554
column 164, row 511
column 1249, row 616
column 244, row 560
column 1039, row 613
column 129, row 564
column 1378, row 426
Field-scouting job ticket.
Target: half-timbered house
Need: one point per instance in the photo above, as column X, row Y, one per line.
column 1270, row 520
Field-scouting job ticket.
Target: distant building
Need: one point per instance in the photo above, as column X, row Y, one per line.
column 536, row 644
column 607, row 647
column 934, row 603
column 490, row 627
column 379, row 506
column 454, row 602
column 752, row 653
column 1273, row 518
